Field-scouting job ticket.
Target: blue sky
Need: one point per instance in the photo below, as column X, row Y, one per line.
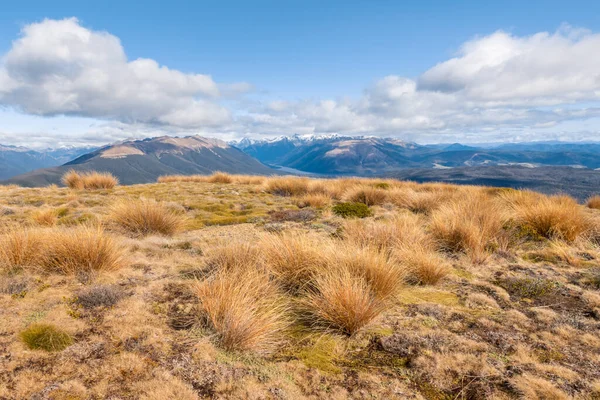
column 302, row 54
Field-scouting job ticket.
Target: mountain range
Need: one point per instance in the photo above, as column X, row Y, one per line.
column 548, row 166
column 339, row 155
column 143, row 161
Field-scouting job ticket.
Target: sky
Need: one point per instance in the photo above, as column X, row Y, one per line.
column 89, row 73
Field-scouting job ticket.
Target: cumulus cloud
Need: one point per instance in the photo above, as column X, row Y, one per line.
column 523, row 86
column 60, row 67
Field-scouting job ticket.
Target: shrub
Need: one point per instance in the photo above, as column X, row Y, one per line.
column 467, row 224
column 293, row 258
column 144, row 217
column 554, row 217
column 367, row 195
column 99, row 296
column 245, row 309
column 20, row 249
column 287, row 186
column 89, row 180
column 339, row 300
column 81, row 250
column 594, row 202
column 352, row 210
column 45, row 337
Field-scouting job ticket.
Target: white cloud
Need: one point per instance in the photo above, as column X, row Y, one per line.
column 495, row 86
column 59, row 67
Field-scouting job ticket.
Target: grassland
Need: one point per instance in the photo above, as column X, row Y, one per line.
column 246, row 287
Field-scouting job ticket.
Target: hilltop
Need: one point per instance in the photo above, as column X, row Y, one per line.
column 230, row 286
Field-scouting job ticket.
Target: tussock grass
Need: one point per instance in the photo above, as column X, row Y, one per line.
column 145, row 217
column 47, row 217
column 366, row 194
column 20, row 249
column 384, row 275
column 45, row 337
column 594, row 202
column 81, row 250
column 423, row 265
column 220, row 177
column 89, row 180
column 384, row 235
column 419, row 202
column 554, row 217
column 216, row 177
column 316, row 200
column 287, row 186
column 293, row 258
column 237, row 256
column 340, row 300
column 245, row 310
column 468, row 224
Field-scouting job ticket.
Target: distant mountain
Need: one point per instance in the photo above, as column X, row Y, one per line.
column 375, row 156
column 143, row 161
column 18, row 160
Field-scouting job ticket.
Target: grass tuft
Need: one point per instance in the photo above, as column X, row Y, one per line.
column 144, row 217
column 89, row 180
column 45, row 337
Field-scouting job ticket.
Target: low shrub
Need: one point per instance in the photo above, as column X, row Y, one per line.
column 292, row 215
column 45, row 337
column 144, row 217
column 99, row 296
column 352, row 210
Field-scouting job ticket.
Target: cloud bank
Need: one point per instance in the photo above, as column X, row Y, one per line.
column 494, row 83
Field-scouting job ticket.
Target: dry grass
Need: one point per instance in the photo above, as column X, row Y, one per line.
column 20, row 249
column 220, row 177
column 145, row 217
column 369, row 195
column 237, row 256
column 554, row 217
column 47, row 217
column 423, row 265
column 419, row 202
column 89, row 180
column 287, row 186
column 216, row 177
column 342, row 301
column 81, row 250
column 385, row 276
column 293, row 258
column 245, row 310
column 594, row 202
column 316, row 200
column 469, row 225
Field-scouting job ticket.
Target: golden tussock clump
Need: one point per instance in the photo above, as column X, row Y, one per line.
column 45, row 217
column 384, row 235
column 424, row 266
column 21, row 248
column 553, row 217
column 316, row 200
column 216, row 177
column 594, row 202
column 236, row 256
column 145, row 217
column 419, row 202
column 287, row 186
column 341, row 300
column 89, row 180
column 468, row 224
column 245, row 310
column 369, row 195
column 293, row 258
column 83, row 249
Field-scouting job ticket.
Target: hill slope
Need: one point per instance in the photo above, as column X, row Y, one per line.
column 143, row 161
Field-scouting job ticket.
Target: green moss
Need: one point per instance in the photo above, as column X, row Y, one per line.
column 352, row 210
column 321, row 355
column 382, row 185
column 226, row 220
column 45, row 337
